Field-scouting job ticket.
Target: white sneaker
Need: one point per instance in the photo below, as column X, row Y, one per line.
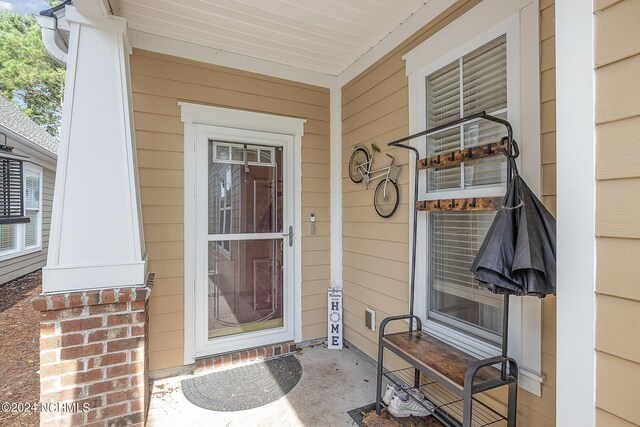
column 390, row 391
column 395, row 390
column 404, row 406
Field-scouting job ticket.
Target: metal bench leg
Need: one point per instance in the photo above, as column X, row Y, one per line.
column 512, row 409
column 379, row 378
column 513, row 395
column 416, row 378
column 467, row 406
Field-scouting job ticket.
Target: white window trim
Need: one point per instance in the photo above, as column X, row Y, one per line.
column 576, row 188
column 21, row 248
column 483, row 23
column 197, row 114
column 37, row 169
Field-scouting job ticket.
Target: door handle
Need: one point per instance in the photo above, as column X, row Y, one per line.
column 290, row 234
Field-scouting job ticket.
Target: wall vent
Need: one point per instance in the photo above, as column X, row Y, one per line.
column 370, row 319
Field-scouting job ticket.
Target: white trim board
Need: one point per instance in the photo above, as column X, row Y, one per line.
column 210, row 55
column 336, row 184
column 193, row 115
column 486, row 21
column 576, row 203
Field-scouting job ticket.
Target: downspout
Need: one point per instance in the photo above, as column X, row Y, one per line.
column 51, row 21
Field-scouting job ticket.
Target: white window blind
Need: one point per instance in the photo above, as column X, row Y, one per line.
column 455, row 297
column 32, row 207
column 8, row 238
column 474, row 82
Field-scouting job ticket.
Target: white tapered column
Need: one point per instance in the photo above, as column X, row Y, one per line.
column 96, row 229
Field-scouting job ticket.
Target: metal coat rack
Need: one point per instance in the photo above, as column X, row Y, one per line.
column 421, row 350
column 507, row 145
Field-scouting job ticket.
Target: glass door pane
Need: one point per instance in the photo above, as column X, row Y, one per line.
column 244, row 286
column 245, row 197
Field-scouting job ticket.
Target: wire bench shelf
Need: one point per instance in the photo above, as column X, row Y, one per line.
column 448, row 406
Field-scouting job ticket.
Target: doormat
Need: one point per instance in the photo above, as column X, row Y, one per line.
column 245, row 387
column 366, row 416
column 359, row 413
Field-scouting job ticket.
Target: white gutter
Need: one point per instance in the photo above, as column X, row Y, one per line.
column 53, row 41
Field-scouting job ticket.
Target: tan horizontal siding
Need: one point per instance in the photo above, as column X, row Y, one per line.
column 618, row 33
column 604, row 418
column 375, row 250
column 617, row 60
column 158, row 83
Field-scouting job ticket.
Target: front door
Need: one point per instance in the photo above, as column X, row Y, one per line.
column 244, row 277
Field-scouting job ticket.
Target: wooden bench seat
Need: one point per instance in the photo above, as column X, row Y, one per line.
column 438, row 357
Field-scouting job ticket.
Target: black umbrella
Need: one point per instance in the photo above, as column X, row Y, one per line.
column 518, row 255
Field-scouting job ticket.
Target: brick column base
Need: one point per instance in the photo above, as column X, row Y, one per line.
column 93, row 356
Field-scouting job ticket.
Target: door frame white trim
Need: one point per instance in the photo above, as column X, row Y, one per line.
column 198, row 114
column 335, row 167
column 204, row 346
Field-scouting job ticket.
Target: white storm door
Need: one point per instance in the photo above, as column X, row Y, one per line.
column 244, row 239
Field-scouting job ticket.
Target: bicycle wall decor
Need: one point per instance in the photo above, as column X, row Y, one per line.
column 386, row 194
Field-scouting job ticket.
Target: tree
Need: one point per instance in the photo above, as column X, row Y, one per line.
column 29, row 77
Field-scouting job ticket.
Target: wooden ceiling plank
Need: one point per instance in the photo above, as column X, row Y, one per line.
column 213, row 36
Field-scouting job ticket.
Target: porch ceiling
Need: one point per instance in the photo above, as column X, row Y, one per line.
column 323, row 36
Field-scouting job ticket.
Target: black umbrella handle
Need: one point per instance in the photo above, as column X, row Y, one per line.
column 513, row 155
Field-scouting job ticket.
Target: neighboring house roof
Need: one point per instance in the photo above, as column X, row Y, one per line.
column 13, row 119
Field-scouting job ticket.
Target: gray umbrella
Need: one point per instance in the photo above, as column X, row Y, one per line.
column 518, row 255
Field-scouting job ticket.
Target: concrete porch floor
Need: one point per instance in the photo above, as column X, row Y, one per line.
column 333, row 382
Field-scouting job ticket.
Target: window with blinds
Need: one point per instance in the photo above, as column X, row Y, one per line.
column 32, row 202
column 8, row 238
column 474, row 82
column 15, row 239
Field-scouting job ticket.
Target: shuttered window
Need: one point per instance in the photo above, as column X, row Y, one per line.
column 474, row 82
column 16, row 239
column 11, row 182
